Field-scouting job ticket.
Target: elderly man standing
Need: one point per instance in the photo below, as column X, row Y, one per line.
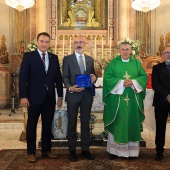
column 124, row 87
column 78, row 97
column 161, row 101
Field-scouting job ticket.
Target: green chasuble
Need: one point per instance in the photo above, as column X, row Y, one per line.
column 123, row 114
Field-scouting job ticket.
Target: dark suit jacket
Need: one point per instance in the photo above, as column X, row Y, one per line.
column 34, row 81
column 70, row 70
column 160, row 84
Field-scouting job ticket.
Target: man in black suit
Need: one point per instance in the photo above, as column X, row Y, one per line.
column 39, row 76
column 78, row 97
column 161, row 101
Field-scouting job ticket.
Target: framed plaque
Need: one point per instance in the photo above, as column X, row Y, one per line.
column 83, row 80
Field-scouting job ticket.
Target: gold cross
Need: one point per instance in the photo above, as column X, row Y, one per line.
column 126, row 99
column 127, row 76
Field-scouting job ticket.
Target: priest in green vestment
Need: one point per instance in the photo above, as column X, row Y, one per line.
column 124, row 86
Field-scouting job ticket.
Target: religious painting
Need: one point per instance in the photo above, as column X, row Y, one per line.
column 4, row 56
column 82, row 14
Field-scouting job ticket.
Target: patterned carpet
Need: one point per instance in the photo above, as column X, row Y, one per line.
column 17, row 160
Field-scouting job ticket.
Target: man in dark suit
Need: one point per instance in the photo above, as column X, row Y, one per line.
column 39, row 76
column 78, row 97
column 161, row 101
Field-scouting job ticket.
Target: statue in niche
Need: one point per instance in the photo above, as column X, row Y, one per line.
column 3, row 53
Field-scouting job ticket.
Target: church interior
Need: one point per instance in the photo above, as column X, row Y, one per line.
column 103, row 23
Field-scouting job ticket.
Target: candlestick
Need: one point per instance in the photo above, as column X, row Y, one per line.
column 55, row 51
column 110, row 38
column 102, row 48
column 63, row 47
column 95, row 47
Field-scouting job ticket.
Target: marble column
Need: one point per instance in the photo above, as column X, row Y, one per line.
column 123, row 19
column 41, row 19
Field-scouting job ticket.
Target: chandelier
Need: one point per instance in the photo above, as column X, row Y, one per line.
column 20, row 5
column 145, row 5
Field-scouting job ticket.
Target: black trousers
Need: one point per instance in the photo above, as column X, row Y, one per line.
column 47, row 113
column 85, row 109
column 161, row 115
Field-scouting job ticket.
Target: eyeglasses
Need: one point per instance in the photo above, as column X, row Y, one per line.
column 78, row 42
column 124, row 49
column 166, row 53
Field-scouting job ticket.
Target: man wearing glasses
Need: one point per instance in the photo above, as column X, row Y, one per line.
column 124, row 87
column 161, row 101
column 78, row 97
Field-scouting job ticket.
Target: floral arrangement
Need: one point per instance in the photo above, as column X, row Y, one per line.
column 33, row 45
column 135, row 45
column 102, row 63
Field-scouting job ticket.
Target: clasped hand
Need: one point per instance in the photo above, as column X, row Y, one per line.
column 128, row 83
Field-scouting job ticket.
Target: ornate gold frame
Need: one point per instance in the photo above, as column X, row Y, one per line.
column 96, row 15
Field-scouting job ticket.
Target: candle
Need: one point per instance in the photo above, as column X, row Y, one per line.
column 70, row 44
column 110, row 38
column 102, row 47
column 95, row 47
column 63, row 47
column 55, row 51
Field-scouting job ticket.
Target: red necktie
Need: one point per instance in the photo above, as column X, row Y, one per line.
column 43, row 59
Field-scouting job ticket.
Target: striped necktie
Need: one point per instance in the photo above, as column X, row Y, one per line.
column 81, row 64
column 43, row 59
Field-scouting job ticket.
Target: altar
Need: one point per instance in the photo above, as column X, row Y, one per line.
column 98, row 107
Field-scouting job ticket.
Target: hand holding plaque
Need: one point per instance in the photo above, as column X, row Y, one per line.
column 83, row 80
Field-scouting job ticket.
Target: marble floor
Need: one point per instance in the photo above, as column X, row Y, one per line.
column 11, row 127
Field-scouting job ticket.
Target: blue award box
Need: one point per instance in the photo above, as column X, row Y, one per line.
column 83, row 80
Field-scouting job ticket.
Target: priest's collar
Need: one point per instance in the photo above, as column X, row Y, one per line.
column 125, row 60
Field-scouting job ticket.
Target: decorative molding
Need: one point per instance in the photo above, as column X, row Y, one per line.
column 53, row 20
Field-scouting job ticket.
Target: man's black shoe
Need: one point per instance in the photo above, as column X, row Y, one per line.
column 112, row 156
column 159, row 157
column 73, row 156
column 87, row 155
